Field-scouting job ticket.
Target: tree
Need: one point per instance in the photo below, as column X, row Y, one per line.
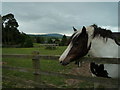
column 9, row 30
column 50, row 41
column 10, row 33
column 39, row 39
column 57, row 41
column 28, row 43
column 63, row 41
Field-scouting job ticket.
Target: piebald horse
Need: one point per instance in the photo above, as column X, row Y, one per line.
column 97, row 42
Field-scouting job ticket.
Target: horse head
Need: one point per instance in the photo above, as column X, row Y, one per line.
column 89, row 39
column 79, row 46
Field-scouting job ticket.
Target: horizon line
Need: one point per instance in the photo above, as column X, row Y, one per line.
column 49, row 33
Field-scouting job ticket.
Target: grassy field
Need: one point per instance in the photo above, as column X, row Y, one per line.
column 41, row 49
column 46, row 65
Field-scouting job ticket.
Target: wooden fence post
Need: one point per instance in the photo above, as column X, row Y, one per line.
column 36, row 62
column 36, row 67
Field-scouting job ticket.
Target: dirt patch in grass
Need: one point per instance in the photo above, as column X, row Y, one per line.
column 84, row 70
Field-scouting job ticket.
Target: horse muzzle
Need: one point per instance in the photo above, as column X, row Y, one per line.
column 64, row 63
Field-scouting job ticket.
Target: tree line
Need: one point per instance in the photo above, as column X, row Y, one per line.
column 52, row 40
column 11, row 36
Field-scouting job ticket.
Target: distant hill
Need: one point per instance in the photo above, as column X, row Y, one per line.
column 48, row 35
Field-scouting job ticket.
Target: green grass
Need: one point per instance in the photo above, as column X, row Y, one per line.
column 18, row 62
column 45, row 65
column 15, row 83
column 54, row 80
column 42, row 50
column 55, row 66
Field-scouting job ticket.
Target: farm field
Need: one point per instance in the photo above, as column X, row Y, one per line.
column 41, row 49
column 45, row 65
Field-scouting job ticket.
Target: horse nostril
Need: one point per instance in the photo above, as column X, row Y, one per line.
column 65, row 63
column 61, row 62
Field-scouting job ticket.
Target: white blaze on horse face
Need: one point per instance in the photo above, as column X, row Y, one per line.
column 65, row 53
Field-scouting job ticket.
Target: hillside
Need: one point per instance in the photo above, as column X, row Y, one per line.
column 48, row 35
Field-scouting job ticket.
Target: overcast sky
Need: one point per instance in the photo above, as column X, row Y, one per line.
column 51, row 17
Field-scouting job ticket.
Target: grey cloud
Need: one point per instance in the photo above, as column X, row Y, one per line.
column 41, row 17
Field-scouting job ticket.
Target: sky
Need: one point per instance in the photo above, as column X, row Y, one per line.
column 60, row 17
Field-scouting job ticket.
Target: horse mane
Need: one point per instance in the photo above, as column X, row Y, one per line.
column 98, row 31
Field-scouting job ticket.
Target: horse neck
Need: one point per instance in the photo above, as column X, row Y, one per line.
column 102, row 48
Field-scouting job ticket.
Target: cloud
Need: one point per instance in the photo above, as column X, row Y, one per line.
column 39, row 17
column 112, row 28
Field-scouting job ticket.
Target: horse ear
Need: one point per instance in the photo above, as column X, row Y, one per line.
column 83, row 29
column 74, row 29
